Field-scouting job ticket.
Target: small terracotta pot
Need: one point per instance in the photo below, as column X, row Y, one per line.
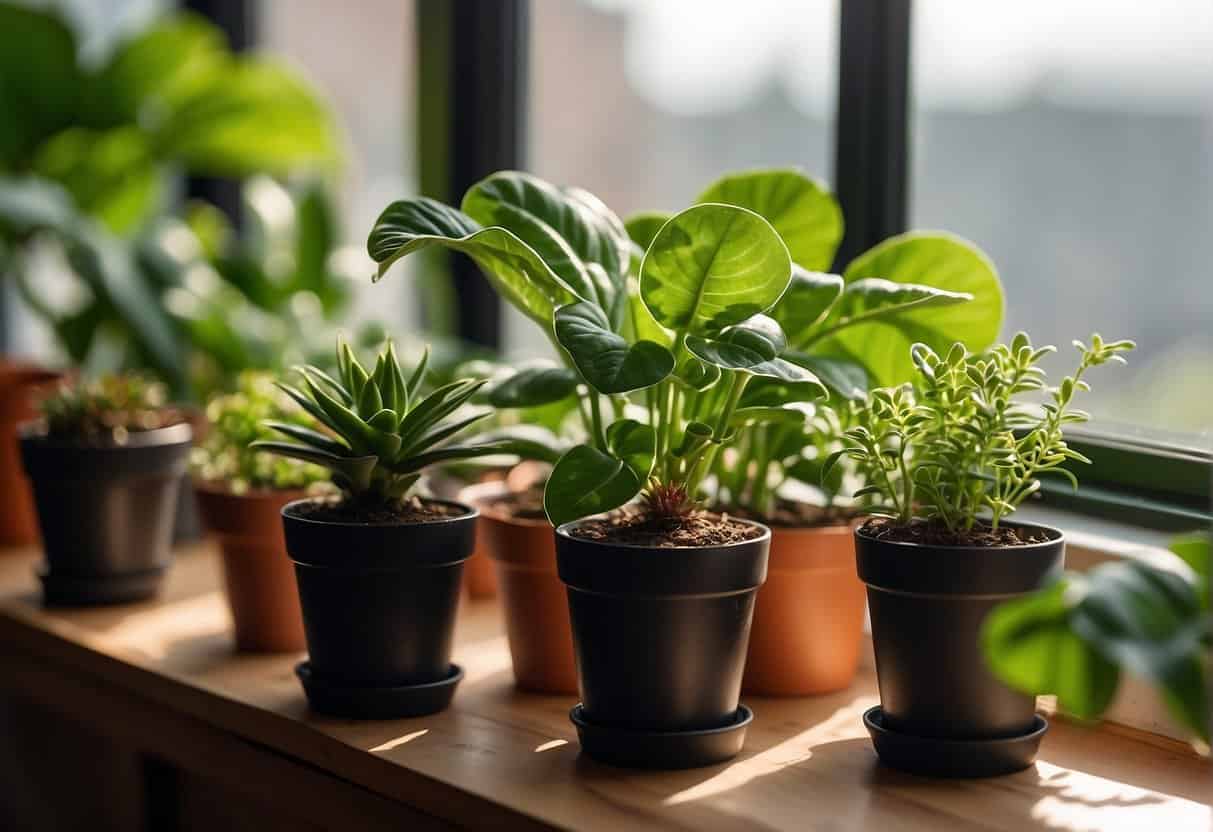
column 19, row 383
column 258, row 575
column 479, row 576
column 808, row 622
column 523, row 552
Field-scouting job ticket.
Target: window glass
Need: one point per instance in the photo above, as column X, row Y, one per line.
column 644, row 103
column 1074, row 142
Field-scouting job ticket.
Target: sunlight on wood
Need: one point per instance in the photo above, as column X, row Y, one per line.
column 1085, row 802
column 548, row 746
column 482, row 659
column 842, row 724
column 153, row 631
column 399, row 741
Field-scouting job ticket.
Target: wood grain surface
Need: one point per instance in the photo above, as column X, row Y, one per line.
column 499, row 759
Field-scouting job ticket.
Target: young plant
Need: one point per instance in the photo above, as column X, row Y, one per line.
column 237, row 420
column 382, row 432
column 964, row 443
column 109, row 408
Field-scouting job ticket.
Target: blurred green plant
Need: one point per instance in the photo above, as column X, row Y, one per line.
column 108, row 408
column 1075, row 637
column 236, row 421
column 91, row 146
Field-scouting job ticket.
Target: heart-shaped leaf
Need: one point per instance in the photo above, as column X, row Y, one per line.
column 512, row 266
column 605, row 359
column 846, row 378
column 533, row 386
column 739, row 347
column 933, row 259
column 712, row 266
column 586, row 481
column 807, row 300
column 635, row 443
column 568, row 229
column 801, row 209
column 643, row 227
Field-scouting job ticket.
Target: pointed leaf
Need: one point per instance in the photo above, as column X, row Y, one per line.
column 605, row 359
column 533, row 387
column 806, row 302
column 586, row 481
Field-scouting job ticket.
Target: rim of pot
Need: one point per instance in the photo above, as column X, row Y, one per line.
column 177, row 433
column 563, row 530
column 1056, row 536
column 471, row 513
column 481, row 495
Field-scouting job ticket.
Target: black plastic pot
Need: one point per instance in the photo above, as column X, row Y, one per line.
column 379, row 605
column 106, row 512
column 927, row 605
column 660, row 637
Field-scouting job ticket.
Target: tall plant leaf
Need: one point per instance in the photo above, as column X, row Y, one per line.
column 40, row 83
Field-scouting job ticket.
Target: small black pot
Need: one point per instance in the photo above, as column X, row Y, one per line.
column 660, row 638
column 379, row 605
column 927, row 605
column 106, row 511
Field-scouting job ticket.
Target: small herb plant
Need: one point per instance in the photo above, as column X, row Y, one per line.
column 237, row 420
column 963, row 443
column 109, row 408
column 382, row 433
column 664, row 323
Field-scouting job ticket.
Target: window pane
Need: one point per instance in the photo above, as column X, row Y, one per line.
column 364, row 64
column 645, row 103
column 1074, row 142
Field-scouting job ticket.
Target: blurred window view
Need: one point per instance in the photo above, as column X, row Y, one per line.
column 645, row 103
column 1074, row 142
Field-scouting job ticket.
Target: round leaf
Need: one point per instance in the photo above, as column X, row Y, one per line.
column 712, row 266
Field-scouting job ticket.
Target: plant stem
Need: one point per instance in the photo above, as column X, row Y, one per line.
column 596, row 415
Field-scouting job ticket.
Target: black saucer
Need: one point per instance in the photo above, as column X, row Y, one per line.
column 336, row 698
column 939, row 757
column 638, row 748
column 60, row 590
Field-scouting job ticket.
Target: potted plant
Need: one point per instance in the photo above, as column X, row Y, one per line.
column 241, row 492
column 378, row 568
column 659, row 597
column 1074, row 637
column 950, row 462
column 106, row 462
column 851, row 329
column 19, row 384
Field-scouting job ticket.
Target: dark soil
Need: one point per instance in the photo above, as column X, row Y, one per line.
column 524, row 505
column 790, row 513
column 930, row 534
column 412, row 510
column 698, row 529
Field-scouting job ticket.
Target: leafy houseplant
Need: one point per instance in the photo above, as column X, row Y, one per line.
column 92, row 145
column 241, row 492
column 950, row 460
column 850, row 329
column 105, row 462
column 1074, row 637
column 378, row 569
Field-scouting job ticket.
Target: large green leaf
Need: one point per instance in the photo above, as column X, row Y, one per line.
column 846, row 378
column 40, row 83
column 567, row 228
column 254, row 116
column 528, row 441
column 802, row 210
column 712, row 266
column 753, row 347
column 605, row 359
column 806, row 301
column 513, row 267
column 587, row 481
column 931, row 259
column 533, row 386
column 643, row 227
column 154, row 70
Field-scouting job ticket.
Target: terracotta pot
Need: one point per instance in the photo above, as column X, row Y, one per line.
column 258, row 575
column 808, row 623
column 479, row 576
column 19, row 383
column 535, row 602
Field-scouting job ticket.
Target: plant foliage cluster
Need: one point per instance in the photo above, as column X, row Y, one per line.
column 106, row 409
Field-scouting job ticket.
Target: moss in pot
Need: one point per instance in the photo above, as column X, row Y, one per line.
column 378, row 568
column 951, row 460
column 241, row 491
column 106, row 462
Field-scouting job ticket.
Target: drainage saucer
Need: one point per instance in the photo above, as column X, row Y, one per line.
column 639, row 748
column 951, row 757
column 338, row 698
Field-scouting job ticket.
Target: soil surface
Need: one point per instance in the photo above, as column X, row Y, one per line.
column 699, row 529
column 412, row 510
column 789, row 513
column 524, row 505
column 930, row 534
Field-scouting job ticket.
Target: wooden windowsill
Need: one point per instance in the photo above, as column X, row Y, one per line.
column 501, row 759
